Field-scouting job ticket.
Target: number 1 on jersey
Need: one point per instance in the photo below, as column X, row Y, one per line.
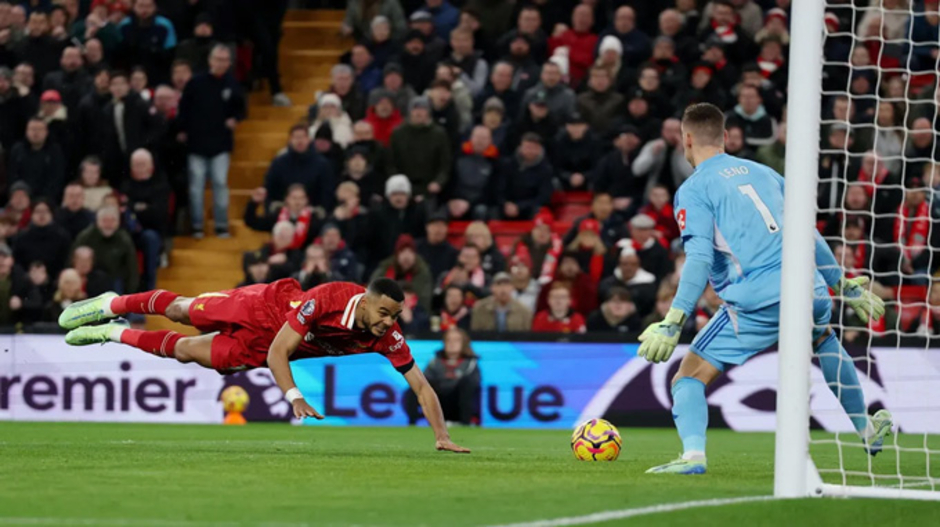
column 769, row 221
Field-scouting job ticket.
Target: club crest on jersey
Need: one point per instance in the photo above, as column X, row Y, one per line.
column 306, row 311
column 680, row 218
column 397, row 335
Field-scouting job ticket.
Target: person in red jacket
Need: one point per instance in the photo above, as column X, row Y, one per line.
column 570, row 276
column 580, row 41
column 384, row 118
column 559, row 317
column 659, row 207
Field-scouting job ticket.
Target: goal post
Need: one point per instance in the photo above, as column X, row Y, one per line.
column 909, row 467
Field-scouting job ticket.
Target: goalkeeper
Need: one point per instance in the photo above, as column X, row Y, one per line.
column 730, row 213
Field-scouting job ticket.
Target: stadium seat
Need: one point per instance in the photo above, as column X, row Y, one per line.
column 911, row 305
column 455, row 232
column 507, row 233
column 568, row 206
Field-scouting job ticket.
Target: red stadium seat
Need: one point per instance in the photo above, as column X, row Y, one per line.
column 911, row 302
column 568, row 206
column 507, row 233
column 455, row 232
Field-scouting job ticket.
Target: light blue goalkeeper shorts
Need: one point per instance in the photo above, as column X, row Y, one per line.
column 732, row 337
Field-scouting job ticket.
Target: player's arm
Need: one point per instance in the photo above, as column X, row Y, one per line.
column 283, row 346
column 696, row 223
column 854, row 291
column 432, row 410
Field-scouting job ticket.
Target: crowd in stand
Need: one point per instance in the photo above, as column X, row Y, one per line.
column 113, row 114
column 446, row 114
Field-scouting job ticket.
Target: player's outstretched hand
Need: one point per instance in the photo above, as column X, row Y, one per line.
column 660, row 338
column 302, row 410
column 450, row 446
column 866, row 304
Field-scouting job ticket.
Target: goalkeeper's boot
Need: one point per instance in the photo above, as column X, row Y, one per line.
column 87, row 311
column 882, row 424
column 88, row 335
column 685, row 467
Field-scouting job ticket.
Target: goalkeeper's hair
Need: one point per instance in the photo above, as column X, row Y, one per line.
column 706, row 123
column 387, row 287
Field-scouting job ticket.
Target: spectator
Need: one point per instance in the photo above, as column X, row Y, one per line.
column 383, row 116
column 360, row 13
column 526, row 181
column 71, row 81
column 181, row 74
column 630, row 276
column 94, row 187
column 702, row 88
column 324, row 145
column 459, row 93
column 889, row 136
column 659, row 207
column 343, row 85
column 148, row 40
column 453, row 373
column 536, row 119
column 72, row 216
column 759, row 127
column 55, row 115
column 43, row 241
column 430, row 171
column 581, row 41
column 361, row 172
column 195, row 50
column 617, row 314
column 479, row 235
column 444, row 110
column 342, row 258
column 472, row 65
column 38, row 48
column 407, row 267
column 720, row 24
column 673, row 26
column 94, row 56
column 528, row 26
column 707, row 306
column 475, row 177
column 393, row 85
column 600, row 104
column 383, row 48
column 925, row 35
column 500, row 87
column 97, row 26
column 19, row 207
column 525, row 289
column 653, row 254
column 468, row 274
column 774, row 154
column 350, row 216
column 583, row 297
column 559, row 97
column 635, row 44
column 602, row 210
column 614, row 175
column 24, row 80
column 734, row 143
column 300, row 164
column 148, row 200
column 316, row 269
column 367, row 73
column 38, row 294
column 912, row 227
column 398, row 215
column 929, row 323
column 500, row 312
column 211, row 106
column 454, row 311
column 330, row 113
column 94, row 281
column 128, row 125
column 14, row 111
column 542, row 246
column 575, row 152
column 446, row 17
column 7, row 229
column 493, row 118
column 418, row 64
column 257, row 269
column 526, row 69
column 610, row 57
column 663, row 160
column 434, row 248
column 413, row 318
column 772, row 62
column 13, row 287
column 38, row 162
column 113, row 249
column 68, row 292
column 589, row 248
column 558, row 316
column 89, row 116
column 653, row 92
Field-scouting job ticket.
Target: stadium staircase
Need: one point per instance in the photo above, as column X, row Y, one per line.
column 309, row 48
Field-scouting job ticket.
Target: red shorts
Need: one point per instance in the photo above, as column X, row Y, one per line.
column 244, row 325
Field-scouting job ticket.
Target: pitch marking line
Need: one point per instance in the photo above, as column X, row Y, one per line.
column 621, row 514
column 139, row 522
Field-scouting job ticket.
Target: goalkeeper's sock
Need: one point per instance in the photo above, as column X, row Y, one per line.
column 690, row 412
column 147, row 303
column 839, row 371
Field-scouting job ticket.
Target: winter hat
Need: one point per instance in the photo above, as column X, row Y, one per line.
column 397, row 183
column 611, row 42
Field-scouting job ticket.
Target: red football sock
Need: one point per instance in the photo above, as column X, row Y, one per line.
column 160, row 343
column 148, row 303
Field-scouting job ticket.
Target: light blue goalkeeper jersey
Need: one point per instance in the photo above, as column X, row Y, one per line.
column 730, row 213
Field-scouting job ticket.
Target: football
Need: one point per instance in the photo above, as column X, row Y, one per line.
column 596, row 440
column 234, row 399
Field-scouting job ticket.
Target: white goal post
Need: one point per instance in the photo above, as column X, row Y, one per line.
column 795, row 473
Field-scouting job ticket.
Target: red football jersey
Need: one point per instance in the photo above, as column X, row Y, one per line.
column 326, row 316
column 544, row 322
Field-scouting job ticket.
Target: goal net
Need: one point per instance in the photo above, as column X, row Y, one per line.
column 874, row 112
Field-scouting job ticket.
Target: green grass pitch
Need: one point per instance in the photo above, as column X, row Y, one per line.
column 279, row 475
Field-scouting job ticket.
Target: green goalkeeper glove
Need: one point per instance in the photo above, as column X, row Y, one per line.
column 865, row 304
column 660, row 339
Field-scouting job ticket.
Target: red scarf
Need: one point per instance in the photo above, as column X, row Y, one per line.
column 449, row 320
column 301, row 225
column 911, row 229
column 725, row 33
column 491, row 152
column 395, row 274
column 551, row 260
column 865, row 177
column 768, row 67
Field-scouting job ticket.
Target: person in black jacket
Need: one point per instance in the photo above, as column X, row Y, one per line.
column 38, row 48
column 614, row 174
column 71, row 81
column 38, row 162
column 43, row 240
column 526, row 181
column 195, row 50
column 148, row 198
column 89, row 118
column 499, row 86
column 398, row 215
column 617, row 314
column 72, row 215
column 148, row 40
column 211, row 106
column 14, row 111
column 575, row 152
column 94, row 280
column 301, row 164
column 434, row 248
column 138, row 128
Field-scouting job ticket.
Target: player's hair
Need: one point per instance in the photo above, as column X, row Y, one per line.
column 387, row 287
column 705, row 122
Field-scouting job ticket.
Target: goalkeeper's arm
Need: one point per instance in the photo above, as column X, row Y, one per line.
column 853, row 290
